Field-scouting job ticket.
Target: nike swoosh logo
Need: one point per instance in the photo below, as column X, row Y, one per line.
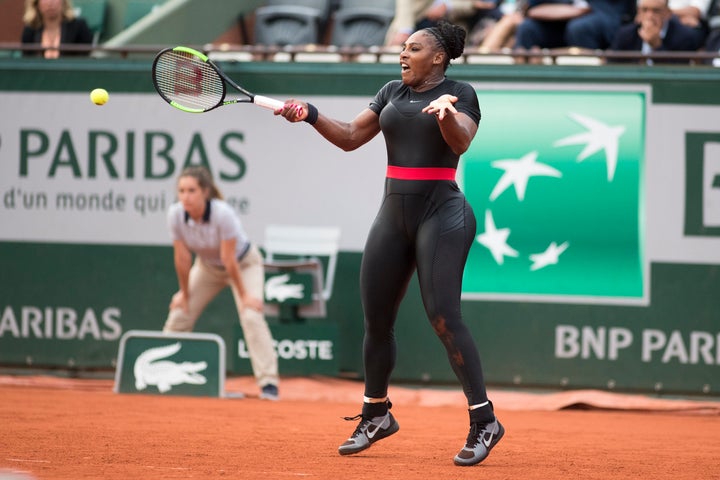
column 487, row 440
column 415, row 101
column 375, row 429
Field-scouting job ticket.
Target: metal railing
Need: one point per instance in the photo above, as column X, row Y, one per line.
column 380, row 54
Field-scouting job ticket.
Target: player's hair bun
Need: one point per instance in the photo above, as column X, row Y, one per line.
column 452, row 38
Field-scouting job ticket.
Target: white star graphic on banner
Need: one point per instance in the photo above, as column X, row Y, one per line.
column 518, row 172
column 598, row 137
column 495, row 240
column 550, row 256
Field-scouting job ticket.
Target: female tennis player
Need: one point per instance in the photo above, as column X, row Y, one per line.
column 201, row 222
column 424, row 223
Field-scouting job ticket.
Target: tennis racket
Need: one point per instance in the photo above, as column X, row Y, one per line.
column 190, row 81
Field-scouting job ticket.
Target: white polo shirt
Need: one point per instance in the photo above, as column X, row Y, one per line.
column 203, row 238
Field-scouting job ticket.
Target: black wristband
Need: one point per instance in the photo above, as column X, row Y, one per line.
column 312, row 115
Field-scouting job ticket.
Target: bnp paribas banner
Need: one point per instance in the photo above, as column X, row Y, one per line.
column 555, row 180
column 73, row 172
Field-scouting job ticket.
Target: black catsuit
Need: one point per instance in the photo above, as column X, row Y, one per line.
column 423, row 224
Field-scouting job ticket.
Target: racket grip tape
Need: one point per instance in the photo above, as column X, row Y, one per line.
column 267, row 102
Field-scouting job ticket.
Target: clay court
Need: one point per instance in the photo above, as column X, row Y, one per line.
column 54, row 428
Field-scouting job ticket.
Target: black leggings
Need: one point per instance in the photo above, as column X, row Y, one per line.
column 426, row 225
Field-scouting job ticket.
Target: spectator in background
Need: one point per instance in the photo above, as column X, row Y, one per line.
column 52, row 23
column 493, row 34
column 712, row 42
column 655, row 29
column 412, row 15
column 713, row 45
column 693, row 14
column 591, row 25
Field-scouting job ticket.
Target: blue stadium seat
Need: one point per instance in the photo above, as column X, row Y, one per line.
column 301, row 22
column 362, row 22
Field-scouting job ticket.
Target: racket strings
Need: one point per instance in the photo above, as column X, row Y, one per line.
column 183, row 78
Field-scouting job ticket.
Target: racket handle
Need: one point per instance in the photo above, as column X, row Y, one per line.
column 267, row 102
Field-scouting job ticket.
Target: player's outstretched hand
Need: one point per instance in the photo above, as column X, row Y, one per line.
column 441, row 106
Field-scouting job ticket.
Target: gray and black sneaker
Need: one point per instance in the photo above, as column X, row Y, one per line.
column 481, row 439
column 368, row 431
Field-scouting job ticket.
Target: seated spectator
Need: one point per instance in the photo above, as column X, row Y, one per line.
column 712, row 42
column 487, row 13
column 655, row 29
column 590, row 25
column 713, row 45
column 693, row 14
column 500, row 34
column 52, row 23
column 412, row 15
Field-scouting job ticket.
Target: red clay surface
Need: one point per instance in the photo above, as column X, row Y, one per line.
column 70, row 429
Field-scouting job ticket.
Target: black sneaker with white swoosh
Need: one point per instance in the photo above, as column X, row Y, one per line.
column 481, row 439
column 368, row 431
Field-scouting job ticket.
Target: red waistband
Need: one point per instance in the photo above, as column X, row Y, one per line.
column 425, row 173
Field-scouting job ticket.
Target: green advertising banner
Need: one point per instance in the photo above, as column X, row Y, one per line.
column 560, row 200
column 303, row 347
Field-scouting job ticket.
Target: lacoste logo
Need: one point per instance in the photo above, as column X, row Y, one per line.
column 150, row 370
column 278, row 288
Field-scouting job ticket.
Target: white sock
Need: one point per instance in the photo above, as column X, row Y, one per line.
column 374, row 400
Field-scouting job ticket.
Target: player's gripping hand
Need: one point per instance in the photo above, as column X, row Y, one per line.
column 293, row 110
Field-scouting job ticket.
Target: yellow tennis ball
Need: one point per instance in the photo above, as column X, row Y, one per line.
column 99, row 96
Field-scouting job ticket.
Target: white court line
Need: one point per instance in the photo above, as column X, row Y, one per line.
column 167, row 468
column 26, row 460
